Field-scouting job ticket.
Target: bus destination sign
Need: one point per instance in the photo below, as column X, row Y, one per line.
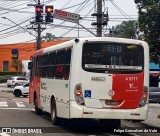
column 66, row 16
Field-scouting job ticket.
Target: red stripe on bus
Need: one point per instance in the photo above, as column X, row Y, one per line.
column 39, row 52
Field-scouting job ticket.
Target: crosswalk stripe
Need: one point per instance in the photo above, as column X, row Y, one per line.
column 16, row 109
column 20, row 104
column 4, row 134
column 3, row 104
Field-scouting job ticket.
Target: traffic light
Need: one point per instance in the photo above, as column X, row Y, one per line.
column 49, row 14
column 39, row 14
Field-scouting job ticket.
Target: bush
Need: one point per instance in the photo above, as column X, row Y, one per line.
column 4, row 73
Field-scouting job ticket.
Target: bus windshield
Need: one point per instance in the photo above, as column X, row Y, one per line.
column 105, row 57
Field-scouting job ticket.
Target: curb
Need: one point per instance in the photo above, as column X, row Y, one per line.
column 7, row 91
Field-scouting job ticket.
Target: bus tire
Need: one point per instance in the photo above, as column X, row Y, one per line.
column 114, row 123
column 38, row 111
column 54, row 118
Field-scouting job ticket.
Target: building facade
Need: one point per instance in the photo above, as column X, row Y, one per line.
column 23, row 51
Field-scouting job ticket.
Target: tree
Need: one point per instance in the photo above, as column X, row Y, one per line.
column 126, row 29
column 149, row 23
column 16, row 64
column 49, row 37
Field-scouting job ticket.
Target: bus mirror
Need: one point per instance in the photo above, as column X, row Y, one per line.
column 76, row 40
column 29, row 65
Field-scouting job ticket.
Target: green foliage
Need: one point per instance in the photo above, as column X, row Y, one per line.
column 149, row 23
column 48, row 38
column 16, row 64
column 126, row 29
column 4, row 73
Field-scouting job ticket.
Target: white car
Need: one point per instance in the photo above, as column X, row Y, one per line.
column 16, row 80
column 21, row 90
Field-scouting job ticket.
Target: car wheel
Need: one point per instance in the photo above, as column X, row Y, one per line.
column 25, row 96
column 17, row 93
column 38, row 111
column 8, row 86
column 54, row 118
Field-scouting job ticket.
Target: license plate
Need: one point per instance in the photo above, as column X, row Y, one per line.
column 110, row 102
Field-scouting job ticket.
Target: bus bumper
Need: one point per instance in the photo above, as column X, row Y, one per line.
column 78, row 111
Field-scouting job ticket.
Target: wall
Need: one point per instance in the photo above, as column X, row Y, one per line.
column 25, row 51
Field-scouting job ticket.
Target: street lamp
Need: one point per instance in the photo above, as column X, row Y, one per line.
column 18, row 25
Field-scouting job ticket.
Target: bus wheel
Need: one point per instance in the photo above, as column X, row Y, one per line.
column 54, row 118
column 114, row 123
column 38, row 111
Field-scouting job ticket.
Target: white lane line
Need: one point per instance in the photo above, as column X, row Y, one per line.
column 4, row 134
column 20, row 104
column 3, row 104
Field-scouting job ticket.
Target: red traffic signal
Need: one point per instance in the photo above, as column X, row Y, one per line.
column 39, row 9
column 49, row 9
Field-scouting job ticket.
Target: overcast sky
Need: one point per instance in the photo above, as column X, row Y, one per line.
column 20, row 13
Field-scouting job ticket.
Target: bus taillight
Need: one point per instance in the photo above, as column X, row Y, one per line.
column 78, row 94
column 143, row 99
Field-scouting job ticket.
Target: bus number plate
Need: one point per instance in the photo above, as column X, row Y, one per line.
column 110, row 102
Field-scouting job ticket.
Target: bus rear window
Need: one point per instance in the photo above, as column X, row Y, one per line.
column 107, row 57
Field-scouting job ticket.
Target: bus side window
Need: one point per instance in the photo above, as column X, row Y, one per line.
column 51, row 71
column 59, row 72
column 43, row 72
column 66, row 72
column 68, row 56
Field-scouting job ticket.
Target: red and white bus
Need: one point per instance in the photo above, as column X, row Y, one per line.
column 98, row 78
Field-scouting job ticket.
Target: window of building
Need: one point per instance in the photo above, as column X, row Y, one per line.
column 5, row 65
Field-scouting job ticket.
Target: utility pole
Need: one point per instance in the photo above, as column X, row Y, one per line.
column 37, row 25
column 102, row 19
column 99, row 18
column 39, row 32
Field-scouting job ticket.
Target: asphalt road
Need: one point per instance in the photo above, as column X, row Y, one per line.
column 17, row 112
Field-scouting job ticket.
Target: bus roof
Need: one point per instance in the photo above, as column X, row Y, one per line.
column 72, row 43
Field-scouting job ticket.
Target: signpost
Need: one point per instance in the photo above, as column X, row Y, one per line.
column 70, row 17
column 66, row 16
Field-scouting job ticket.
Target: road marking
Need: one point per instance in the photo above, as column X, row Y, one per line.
column 16, row 109
column 20, row 104
column 4, row 134
column 3, row 104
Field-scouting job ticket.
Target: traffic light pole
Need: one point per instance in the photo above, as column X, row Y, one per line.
column 39, row 37
column 39, row 22
column 39, row 33
column 38, row 28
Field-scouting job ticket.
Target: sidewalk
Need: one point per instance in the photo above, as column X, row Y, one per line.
column 3, row 84
column 153, row 120
column 3, row 87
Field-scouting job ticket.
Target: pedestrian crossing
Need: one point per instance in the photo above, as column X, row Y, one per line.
column 19, row 104
column 4, row 134
column 14, row 104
